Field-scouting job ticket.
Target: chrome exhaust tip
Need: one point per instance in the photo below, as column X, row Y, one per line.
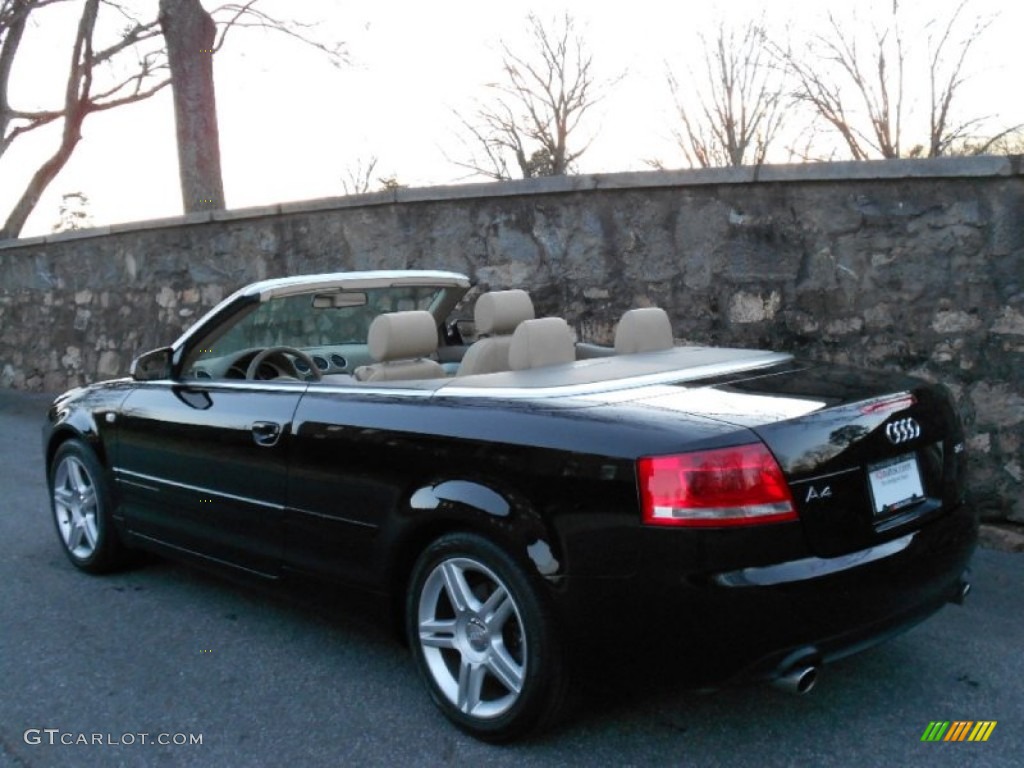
column 798, row 680
column 961, row 593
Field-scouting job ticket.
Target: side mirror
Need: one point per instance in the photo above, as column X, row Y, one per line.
column 152, row 365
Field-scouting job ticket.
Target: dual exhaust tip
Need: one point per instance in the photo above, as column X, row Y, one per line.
column 799, row 679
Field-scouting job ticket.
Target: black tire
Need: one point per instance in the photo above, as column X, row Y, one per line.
column 81, row 504
column 483, row 639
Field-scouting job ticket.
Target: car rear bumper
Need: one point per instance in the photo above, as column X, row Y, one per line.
column 754, row 623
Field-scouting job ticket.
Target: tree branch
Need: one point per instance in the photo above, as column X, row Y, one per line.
column 539, row 105
column 732, row 112
column 76, row 103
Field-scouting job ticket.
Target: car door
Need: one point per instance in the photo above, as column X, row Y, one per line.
column 202, row 467
column 353, row 453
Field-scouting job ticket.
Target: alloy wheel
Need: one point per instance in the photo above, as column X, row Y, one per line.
column 471, row 635
column 76, row 507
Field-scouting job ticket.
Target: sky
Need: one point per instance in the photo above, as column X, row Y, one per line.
column 293, row 126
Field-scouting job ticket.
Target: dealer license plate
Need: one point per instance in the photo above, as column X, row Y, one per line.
column 895, row 484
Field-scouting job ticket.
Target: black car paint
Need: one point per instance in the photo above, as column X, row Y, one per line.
column 824, row 453
column 192, row 474
column 347, row 493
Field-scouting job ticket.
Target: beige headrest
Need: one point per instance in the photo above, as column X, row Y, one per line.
column 500, row 312
column 643, row 330
column 547, row 341
column 402, row 336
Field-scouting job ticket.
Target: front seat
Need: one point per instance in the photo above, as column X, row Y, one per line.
column 643, row 330
column 401, row 342
column 497, row 315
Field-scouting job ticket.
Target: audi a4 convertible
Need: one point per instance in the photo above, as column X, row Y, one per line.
column 517, row 493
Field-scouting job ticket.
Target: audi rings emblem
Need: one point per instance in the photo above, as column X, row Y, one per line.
column 902, row 431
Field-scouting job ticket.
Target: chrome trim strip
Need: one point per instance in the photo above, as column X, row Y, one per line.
column 208, row 385
column 197, row 489
column 299, row 284
column 232, row 384
column 334, row 518
column 349, row 389
column 810, row 567
column 194, row 488
column 615, row 385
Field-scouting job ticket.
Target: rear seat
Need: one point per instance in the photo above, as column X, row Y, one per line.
column 643, row 330
column 537, row 343
column 496, row 315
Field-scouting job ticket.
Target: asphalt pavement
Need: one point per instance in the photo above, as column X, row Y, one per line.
column 265, row 677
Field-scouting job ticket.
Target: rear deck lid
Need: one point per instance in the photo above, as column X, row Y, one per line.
column 868, row 455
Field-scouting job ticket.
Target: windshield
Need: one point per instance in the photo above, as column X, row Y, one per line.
column 296, row 321
column 338, row 321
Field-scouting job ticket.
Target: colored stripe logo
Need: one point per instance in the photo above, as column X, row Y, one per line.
column 959, row 730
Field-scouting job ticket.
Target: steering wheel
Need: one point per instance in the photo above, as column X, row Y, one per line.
column 254, row 366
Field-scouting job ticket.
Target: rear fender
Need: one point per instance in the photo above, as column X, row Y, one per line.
column 458, row 504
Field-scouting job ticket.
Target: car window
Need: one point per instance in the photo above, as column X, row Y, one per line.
column 305, row 322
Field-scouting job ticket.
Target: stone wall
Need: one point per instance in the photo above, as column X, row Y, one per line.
column 915, row 265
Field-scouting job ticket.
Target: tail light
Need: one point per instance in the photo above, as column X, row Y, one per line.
column 719, row 488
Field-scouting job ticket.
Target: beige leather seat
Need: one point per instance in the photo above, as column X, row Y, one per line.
column 497, row 314
column 400, row 343
column 536, row 343
column 643, row 330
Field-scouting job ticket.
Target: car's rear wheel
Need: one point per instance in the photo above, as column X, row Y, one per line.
column 483, row 639
column 81, row 503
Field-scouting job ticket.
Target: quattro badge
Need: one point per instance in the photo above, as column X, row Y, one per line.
column 902, row 431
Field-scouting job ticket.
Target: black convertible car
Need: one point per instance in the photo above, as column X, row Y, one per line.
column 519, row 494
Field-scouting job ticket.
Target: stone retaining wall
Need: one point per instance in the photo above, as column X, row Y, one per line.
column 915, row 265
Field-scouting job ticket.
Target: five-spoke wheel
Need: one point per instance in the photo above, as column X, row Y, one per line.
column 75, row 505
column 81, row 509
column 471, row 634
column 482, row 638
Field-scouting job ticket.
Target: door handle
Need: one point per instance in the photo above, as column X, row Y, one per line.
column 266, row 433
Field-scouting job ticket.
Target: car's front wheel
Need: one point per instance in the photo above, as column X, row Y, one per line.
column 81, row 504
column 483, row 639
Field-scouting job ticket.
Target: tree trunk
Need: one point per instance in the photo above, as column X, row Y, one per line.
column 189, row 32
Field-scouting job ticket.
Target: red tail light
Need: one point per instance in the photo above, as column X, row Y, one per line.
column 724, row 487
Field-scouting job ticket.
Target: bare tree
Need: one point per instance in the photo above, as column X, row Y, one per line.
column 857, row 84
column 732, row 112
column 81, row 98
column 529, row 123
column 1006, row 142
column 859, row 94
column 139, row 50
column 946, row 78
column 358, row 177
